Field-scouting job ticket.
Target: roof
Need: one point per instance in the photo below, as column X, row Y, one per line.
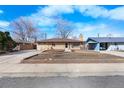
column 106, row 39
column 59, row 40
column 19, row 41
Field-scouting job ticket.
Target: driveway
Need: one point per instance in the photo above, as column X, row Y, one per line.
column 16, row 57
column 120, row 54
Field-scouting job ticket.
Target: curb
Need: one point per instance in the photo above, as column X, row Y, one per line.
column 62, row 74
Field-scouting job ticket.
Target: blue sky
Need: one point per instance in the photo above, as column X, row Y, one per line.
column 88, row 20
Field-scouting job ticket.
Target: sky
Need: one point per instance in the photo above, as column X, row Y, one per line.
column 87, row 20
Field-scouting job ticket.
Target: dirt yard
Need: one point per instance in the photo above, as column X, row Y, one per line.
column 73, row 57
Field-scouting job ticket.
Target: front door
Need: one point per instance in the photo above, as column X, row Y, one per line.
column 66, row 45
column 103, row 46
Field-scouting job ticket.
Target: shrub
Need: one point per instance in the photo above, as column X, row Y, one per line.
column 6, row 42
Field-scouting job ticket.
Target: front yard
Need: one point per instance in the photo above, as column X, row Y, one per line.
column 73, row 57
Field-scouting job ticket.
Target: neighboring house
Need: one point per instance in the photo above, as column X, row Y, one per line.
column 27, row 46
column 21, row 45
column 105, row 43
column 57, row 43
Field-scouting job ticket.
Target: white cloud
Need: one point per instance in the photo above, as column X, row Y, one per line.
column 117, row 13
column 56, row 10
column 45, row 16
column 99, row 11
column 93, row 11
column 4, row 23
column 42, row 20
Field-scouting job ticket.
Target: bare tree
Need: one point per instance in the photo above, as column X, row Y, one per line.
column 64, row 28
column 41, row 35
column 24, row 29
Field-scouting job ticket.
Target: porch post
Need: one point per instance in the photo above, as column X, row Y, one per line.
column 98, row 47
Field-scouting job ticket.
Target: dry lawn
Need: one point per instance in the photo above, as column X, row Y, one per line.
column 54, row 56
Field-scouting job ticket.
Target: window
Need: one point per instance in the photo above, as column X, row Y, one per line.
column 53, row 44
column 75, row 45
column 115, row 44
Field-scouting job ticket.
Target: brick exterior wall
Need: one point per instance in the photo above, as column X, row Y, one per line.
column 27, row 46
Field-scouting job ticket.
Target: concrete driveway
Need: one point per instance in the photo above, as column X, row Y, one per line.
column 116, row 53
column 16, row 57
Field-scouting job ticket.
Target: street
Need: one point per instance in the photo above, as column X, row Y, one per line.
column 63, row 82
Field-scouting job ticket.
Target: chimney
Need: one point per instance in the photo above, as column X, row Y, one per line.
column 81, row 37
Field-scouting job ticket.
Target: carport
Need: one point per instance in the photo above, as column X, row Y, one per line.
column 105, row 43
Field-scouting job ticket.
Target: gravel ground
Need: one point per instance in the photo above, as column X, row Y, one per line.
column 63, row 82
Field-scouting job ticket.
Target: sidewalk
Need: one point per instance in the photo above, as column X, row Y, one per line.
column 71, row 70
